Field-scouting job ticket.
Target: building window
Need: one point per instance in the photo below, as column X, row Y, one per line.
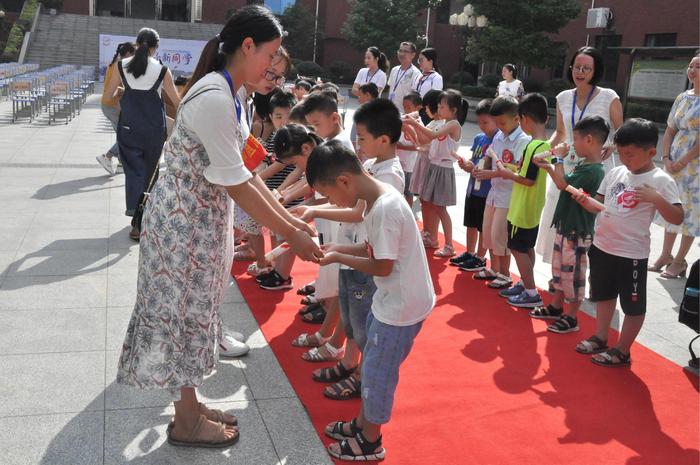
column 611, row 58
column 660, row 40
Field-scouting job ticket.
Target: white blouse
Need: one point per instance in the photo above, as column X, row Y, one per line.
column 212, row 120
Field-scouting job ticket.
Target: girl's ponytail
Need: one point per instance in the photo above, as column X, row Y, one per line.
column 148, row 38
column 290, row 138
column 455, row 101
column 211, row 59
column 122, row 50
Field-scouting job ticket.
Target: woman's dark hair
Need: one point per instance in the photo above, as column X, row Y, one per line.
column 123, row 50
column 455, row 101
column 262, row 103
column 431, row 100
column 252, row 21
column 289, row 139
column 383, row 61
column 598, row 64
column 513, row 69
column 431, row 54
column 147, row 39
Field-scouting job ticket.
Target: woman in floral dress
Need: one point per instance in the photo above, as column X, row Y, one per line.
column 680, row 156
column 186, row 243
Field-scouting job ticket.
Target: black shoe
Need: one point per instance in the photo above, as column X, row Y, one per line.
column 461, row 259
column 473, row 264
column 275, row 282
column 263, row 276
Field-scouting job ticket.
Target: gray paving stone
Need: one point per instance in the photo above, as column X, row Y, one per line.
column 66, row 330
column 35, row 292
column 52, row 383
column 57, row 439
column 138, row 437
column 13, row 231
column 263, row 372
column 122, row 279
column 41, row 239
column 292, row 433
column 117, row 322
column 6, row 259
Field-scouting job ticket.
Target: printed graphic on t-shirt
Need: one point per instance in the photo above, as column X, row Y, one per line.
column 507, row 156
column 625, row 196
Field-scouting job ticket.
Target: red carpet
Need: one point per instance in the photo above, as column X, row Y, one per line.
column 486, row 384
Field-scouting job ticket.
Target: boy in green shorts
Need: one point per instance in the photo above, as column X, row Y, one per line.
column 526, row 201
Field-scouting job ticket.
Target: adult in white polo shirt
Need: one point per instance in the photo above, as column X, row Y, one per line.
column 377, row 66
column 402, row 76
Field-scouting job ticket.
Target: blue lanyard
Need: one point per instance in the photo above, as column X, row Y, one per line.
column 398, row 80
column 423, row 79
column 369, row 78
column 236, row 101
column 573, row 108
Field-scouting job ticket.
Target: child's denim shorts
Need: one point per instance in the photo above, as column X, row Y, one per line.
column 387, row 347
column 355, row 292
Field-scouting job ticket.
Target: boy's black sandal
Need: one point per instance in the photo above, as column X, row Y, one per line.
column 336, row 431
column 315, row 315
column 607, row 361
column 565, row 324
column 308, row 308
column 546, row 313
column 587, row 347
column 369, row 449
column 333, row 374
column 306, row 290
column 345, row 389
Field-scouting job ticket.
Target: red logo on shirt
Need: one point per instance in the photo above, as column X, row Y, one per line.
column 370, row 250
column 507, row 156
column 627, row 199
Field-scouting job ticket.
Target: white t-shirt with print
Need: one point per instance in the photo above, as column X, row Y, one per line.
column 401, row 83
column 378, row 77
column 387, row 171
column 623, row 228
column 406, row 296
column 508, row 149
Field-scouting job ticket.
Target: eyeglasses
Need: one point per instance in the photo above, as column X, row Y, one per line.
column 401, row 51
column 272, row 77
column 582, row 69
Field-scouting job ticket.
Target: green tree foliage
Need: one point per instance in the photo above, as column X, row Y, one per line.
column 519, row 31
column 384, row 23
column 22, row 25
column 299, row 23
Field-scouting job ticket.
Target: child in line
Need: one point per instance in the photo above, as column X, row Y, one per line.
column 321, row 112
column 420, row 169
column 405, row 149
column 474, row 258
column 574, row 224
column 403, row 300
column 366, row 93
column 507, row 147
column 633, row 194
column 527, row 201
column 378, row 127
column 440, row 188
column 302, row 87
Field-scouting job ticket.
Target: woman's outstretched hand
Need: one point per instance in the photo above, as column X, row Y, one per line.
column 304, row 246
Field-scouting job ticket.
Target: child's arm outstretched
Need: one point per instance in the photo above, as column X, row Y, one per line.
column 452, row 130
column 364, row 264
column 331, row 213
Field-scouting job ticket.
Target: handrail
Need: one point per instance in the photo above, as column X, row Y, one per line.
column 28, row 35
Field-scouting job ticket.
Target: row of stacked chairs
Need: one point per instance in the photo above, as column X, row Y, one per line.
column 60, row 91
column 8, row 71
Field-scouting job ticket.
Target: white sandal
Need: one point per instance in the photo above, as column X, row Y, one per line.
column 314, row 355
column 303, row 340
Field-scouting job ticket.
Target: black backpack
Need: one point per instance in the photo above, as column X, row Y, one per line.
column 688, row 312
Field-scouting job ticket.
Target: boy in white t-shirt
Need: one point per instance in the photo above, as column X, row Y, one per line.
column 394, row 255
column 633, row 194
column 406, row 150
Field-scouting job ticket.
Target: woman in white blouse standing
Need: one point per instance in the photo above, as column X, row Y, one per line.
column 510, row 85
column 186, row 246
column 375, row 71
column 430, row 77
column 586, row 99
